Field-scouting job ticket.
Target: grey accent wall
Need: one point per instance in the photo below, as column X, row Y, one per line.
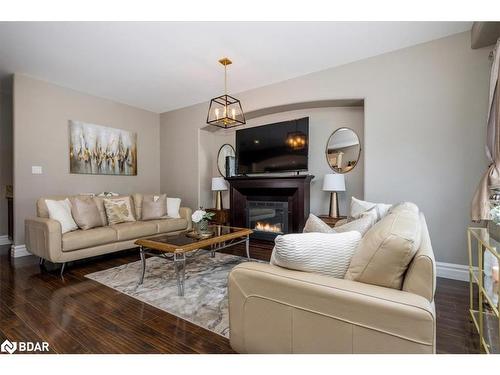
column 5, row 148
column 425, row 114
column 41, row 114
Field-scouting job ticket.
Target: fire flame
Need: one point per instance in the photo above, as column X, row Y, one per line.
column 266, row 227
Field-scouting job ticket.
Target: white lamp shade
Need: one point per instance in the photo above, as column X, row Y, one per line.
column 334, row 182
column 218, row 184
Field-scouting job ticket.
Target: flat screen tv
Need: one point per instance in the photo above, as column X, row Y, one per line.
column 278, row 147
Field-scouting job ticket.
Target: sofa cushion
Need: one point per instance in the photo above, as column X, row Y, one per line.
column 387, row 249
column 81, row 239
column 169, row 225
column 85, row 212
column 137, row 229
column 315, row 225
column 154, row 206
column 119, row 210
column 324, row 253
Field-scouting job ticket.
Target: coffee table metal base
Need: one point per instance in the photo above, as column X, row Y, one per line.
column 180, row 261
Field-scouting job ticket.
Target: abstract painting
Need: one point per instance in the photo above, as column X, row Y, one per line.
column 95, row 149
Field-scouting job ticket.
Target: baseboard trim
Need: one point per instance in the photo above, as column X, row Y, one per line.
column 17, row 251
column 453, row 271
column 4, row 240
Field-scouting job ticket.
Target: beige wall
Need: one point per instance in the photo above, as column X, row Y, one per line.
column 322, row 123
column 5, row 148
column 425, row 113
column 41, row 115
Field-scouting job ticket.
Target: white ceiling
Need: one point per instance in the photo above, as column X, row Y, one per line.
column 162, row 66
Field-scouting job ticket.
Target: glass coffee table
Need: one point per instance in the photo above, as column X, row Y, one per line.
column 219, row 237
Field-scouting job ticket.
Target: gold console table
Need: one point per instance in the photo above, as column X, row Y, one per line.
column 484, row 310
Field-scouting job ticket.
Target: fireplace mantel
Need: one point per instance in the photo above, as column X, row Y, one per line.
column 294, row 189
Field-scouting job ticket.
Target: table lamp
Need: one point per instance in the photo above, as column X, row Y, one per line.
column 219, row 184
column 334, row 183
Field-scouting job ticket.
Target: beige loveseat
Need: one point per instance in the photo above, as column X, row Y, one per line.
column 44, row 237
column 277, row 310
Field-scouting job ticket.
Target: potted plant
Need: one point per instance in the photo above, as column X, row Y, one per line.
column 200, row 217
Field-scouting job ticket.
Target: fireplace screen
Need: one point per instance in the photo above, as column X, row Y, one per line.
column 267, row 219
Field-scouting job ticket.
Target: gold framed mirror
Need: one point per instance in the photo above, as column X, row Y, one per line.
column 224, row 151
column 343, row 150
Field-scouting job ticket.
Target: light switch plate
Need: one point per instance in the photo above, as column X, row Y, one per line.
column 36, row 169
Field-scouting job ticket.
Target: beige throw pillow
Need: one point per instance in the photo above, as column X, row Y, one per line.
column 361, row 225
column 387, row 249
column 86, row 213
column 154, row 207
column 118, row 210
column 315, row 225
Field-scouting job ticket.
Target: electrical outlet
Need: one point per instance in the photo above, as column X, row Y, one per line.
column 36, row 169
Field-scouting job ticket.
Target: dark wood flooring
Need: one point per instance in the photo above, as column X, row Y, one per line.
column 78, row 315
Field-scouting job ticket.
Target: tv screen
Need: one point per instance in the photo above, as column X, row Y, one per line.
column 278, row 147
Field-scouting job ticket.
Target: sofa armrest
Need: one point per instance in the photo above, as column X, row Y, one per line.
column 44, row 238
column 276, row 310
column 186, row 213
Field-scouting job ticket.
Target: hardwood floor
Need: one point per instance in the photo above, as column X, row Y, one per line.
column 78, row 315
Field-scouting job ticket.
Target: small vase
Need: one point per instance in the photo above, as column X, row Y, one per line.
column 203, row 226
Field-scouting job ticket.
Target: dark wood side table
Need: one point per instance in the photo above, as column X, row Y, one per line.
column 331, row 221
column 221, row 217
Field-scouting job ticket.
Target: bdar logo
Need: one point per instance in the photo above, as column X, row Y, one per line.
column 8, row 347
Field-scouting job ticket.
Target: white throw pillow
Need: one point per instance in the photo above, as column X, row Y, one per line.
column 358, row 207
column 323, row 253
column 315, row 225
column 173, row 206
column 61, row 211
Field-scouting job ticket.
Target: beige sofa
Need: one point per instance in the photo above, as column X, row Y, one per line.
column 276, row 310
column 44, row 237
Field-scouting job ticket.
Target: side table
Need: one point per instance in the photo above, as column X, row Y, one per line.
column 221, row 217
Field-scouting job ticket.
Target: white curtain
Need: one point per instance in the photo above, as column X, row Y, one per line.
column 480, row 202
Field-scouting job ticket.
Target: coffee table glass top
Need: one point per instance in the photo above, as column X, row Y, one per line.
column 183, row 242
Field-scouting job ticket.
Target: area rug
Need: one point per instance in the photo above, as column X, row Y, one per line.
column 205, row 301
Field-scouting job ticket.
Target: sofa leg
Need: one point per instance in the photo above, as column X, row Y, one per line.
column 62, row 269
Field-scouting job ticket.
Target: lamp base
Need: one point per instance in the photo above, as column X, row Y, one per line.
column 218, row 200
column 334, row 205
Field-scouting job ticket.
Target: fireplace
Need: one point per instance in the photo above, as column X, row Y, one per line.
column 268, row 219
column 270, row 205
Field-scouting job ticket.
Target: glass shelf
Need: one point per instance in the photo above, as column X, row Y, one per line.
column 484, row 305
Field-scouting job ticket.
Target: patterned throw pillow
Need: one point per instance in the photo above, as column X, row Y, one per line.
column 315, row 225
column 118, row 210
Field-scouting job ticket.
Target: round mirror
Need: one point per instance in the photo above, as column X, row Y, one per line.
column 343, row 150
column 225, row 151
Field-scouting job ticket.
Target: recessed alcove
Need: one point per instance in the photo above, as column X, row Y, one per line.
column 325, row 116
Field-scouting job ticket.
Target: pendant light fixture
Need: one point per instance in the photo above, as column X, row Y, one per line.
column 225, row 111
